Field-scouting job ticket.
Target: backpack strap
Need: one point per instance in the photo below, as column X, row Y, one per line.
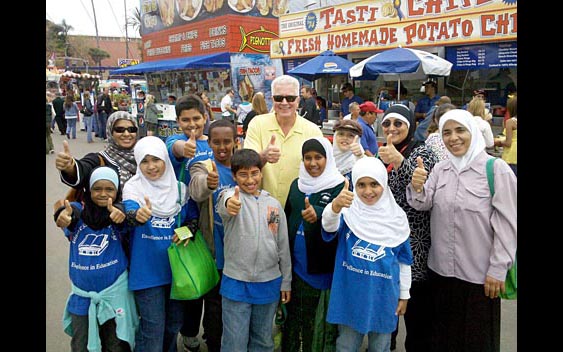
column 491, row 175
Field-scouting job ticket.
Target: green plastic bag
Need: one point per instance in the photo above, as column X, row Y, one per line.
column 511, row 283
column 194, row 272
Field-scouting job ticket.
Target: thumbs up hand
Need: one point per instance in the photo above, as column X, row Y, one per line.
column 344, row 198
column 65, row 217
column 389, row 154
column 233, row 203
column 144, row 213
column 272, row 153
column 116, row 215
column 64, row 160
column 355, row 147
column 213, row 177
column 190, row 145
column 308, row 213
column 419, row 175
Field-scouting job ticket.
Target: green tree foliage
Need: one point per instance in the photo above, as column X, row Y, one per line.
column 98, row 55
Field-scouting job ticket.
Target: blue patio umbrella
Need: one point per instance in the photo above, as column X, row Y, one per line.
column 326, row 63
column 402, row 63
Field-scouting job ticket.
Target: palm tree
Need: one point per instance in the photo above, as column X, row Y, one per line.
column 135, row 21
column 97, row 56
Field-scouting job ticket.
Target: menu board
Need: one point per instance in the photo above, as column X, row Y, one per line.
column 483, row 56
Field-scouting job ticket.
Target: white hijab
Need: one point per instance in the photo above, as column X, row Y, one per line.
column 162, row 193
column 383, row 223
column 330, row 177
column 344, row 159
column 477, row 145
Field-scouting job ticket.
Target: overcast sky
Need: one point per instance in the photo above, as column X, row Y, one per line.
column 110, row 16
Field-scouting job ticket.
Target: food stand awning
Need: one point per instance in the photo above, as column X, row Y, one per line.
column 216, row 60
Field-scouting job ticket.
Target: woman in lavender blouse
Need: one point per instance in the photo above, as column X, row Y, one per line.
column 473, row 237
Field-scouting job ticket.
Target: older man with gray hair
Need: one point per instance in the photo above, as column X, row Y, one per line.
column 354, row 108
column 282, row 130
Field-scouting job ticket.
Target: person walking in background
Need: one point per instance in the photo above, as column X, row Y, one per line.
column 400, row 155
column 151, row 115
column 421, row 132
column 318, row 183
column 71, row 116
column 368, row 115
column 349, row 97
column 88, row 115
column 309, row 110
column 259, row 107
column 425, row 103
column 105, row 109
column 434, row 140
column 482, row 94
column 208, row 179
column 94, row 229
column 509, row 142
column 58, row 105
column 227, row 110
column 257, row 270
column 49, row 111
column 321, row 105
column 477, row 108
column 156, row 204
column 465, row 282
column 354, row 109
column 372, row 273
column 243, row 109
column 284, row 129
column 208, row 111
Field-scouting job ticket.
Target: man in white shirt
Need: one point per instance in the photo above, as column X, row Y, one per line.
column 227, row 111
column 354, row 108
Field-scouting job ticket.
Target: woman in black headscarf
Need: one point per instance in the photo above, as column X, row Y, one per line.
column 122, row 135
column 400, row 155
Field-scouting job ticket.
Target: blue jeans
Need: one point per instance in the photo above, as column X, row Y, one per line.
column 71, row 127
column 102, row 121
column 88, row 121
column 161, row 319
column 247, row 327
column 350, row 340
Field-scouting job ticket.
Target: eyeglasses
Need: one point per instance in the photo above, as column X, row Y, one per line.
column 121, row 129
column 280, row 98
column 396, row 123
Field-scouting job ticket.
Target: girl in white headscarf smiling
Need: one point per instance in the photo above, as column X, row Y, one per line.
column 319, row 182
column 473, row 236
column 373, row 259
column 156, row 203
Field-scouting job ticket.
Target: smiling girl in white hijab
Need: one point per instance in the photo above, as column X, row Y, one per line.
column 156, row 203
column 372, row 276
column 318, row 184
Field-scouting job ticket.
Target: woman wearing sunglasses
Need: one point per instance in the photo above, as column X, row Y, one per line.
column 399, row 154
column 118, row 154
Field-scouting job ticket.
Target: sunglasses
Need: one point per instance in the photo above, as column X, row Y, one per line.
column 121, row 129
column 280, row 98
column 396, row 123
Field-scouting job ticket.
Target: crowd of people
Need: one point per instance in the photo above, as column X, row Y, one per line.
column 345, row 236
